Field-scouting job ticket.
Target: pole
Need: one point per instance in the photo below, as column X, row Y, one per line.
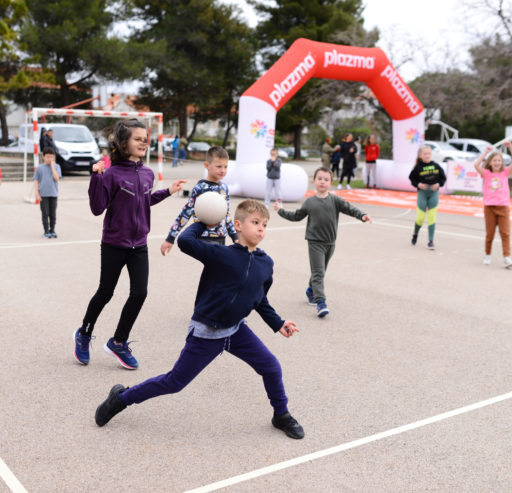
column 160, row 156
column 25, row 152
column 36, row 143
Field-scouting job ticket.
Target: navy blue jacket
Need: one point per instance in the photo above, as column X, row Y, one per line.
column 234, row 281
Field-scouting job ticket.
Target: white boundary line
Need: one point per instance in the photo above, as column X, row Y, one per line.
column 10, row 479
column 53, row 243
column 349, row 445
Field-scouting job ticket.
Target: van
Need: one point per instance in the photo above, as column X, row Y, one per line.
column 77, row 149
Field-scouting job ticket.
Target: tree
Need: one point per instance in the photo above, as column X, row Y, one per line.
column 72, row 38
column 12, row 13
column 284, row 22
column 208, row 61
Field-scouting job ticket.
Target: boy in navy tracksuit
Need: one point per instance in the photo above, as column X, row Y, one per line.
column 235, row 280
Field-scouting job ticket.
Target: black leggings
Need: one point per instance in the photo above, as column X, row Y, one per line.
column 113, row 259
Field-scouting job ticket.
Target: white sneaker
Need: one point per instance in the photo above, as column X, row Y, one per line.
column 487, row 260
column 508, row 262
column 339, row 187
column 349, row 187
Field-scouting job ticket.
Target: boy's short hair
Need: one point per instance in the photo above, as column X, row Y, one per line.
column 250, row 206
column 274, row 149
column 218, row 152
column 324, row 170
column 48, row 150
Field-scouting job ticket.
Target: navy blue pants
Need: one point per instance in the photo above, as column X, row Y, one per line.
column 198, row 353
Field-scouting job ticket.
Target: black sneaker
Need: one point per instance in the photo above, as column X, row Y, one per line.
column 287, row 423
column 53, row 234
column 414, row 239
column 431, row 246
column 110, row 406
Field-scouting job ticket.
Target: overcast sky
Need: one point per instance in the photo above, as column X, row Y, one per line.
column 436, row 34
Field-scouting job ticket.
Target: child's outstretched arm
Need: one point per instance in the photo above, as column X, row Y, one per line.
column 182, row 219
column 160, row 195
column 480, row 160
column 190, row 243
column 296, row 215
column 347, row 208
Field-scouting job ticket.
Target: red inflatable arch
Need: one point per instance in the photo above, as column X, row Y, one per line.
column 306, row 59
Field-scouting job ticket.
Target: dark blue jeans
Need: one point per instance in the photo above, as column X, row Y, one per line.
column 199, row 353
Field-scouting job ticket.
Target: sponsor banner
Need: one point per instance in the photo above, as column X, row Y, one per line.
column 462, row 176
column 256, row 130
column 407, row 138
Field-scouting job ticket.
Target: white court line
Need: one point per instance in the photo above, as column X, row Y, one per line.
column 347, row 446
column 57, row 243
column 10, row 479
column 54, row 243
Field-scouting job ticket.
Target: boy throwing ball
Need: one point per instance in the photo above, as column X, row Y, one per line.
column 235, row 280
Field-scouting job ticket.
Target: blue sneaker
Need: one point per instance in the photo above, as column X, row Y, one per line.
column 311, row 298
column 321, row 309
column 82, row 347
column 122, row 352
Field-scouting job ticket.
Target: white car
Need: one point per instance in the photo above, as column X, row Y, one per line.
column 476, row 147
column 443, row 152
column 77, row 150
column 198, row 147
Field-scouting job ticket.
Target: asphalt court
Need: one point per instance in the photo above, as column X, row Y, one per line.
column 412, row 334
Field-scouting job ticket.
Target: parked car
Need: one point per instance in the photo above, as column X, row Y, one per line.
column 476, row 147
column 198, row 147
column 443, row 152
column 167, row 144
column 281, row 153
column 290, row 151
column 76, row 147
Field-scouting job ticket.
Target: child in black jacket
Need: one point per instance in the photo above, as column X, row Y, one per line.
column 235, row 280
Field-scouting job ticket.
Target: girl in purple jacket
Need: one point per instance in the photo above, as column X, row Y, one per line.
column 125, row 191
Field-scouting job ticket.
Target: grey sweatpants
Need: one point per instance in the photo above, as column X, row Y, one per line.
column 319, row 256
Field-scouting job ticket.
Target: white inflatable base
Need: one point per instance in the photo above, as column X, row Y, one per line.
column 395, row 176
column 250, row 180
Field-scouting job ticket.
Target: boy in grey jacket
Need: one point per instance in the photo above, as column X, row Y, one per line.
column 322, row 210
column 273, row 177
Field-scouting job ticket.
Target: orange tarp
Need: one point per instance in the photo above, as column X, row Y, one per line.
column 451, row 204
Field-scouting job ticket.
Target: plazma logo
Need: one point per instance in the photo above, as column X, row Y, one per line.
column 459, row 172
column 412, row 135
column 259, row 129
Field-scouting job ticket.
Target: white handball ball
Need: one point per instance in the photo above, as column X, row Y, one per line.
column 210, row 208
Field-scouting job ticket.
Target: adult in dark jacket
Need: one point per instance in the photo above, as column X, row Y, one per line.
column 125, row 191
column 348, row 153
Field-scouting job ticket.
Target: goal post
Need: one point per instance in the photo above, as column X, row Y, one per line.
column 36, row 113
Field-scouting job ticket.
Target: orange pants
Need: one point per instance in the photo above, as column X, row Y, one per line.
column 497, row 215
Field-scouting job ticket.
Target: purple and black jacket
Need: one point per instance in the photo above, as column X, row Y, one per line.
column 124, row 190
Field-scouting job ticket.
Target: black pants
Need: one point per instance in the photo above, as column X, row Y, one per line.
column 335, row 168
column 345, row 172
column 113, row 259
column 48, row 213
